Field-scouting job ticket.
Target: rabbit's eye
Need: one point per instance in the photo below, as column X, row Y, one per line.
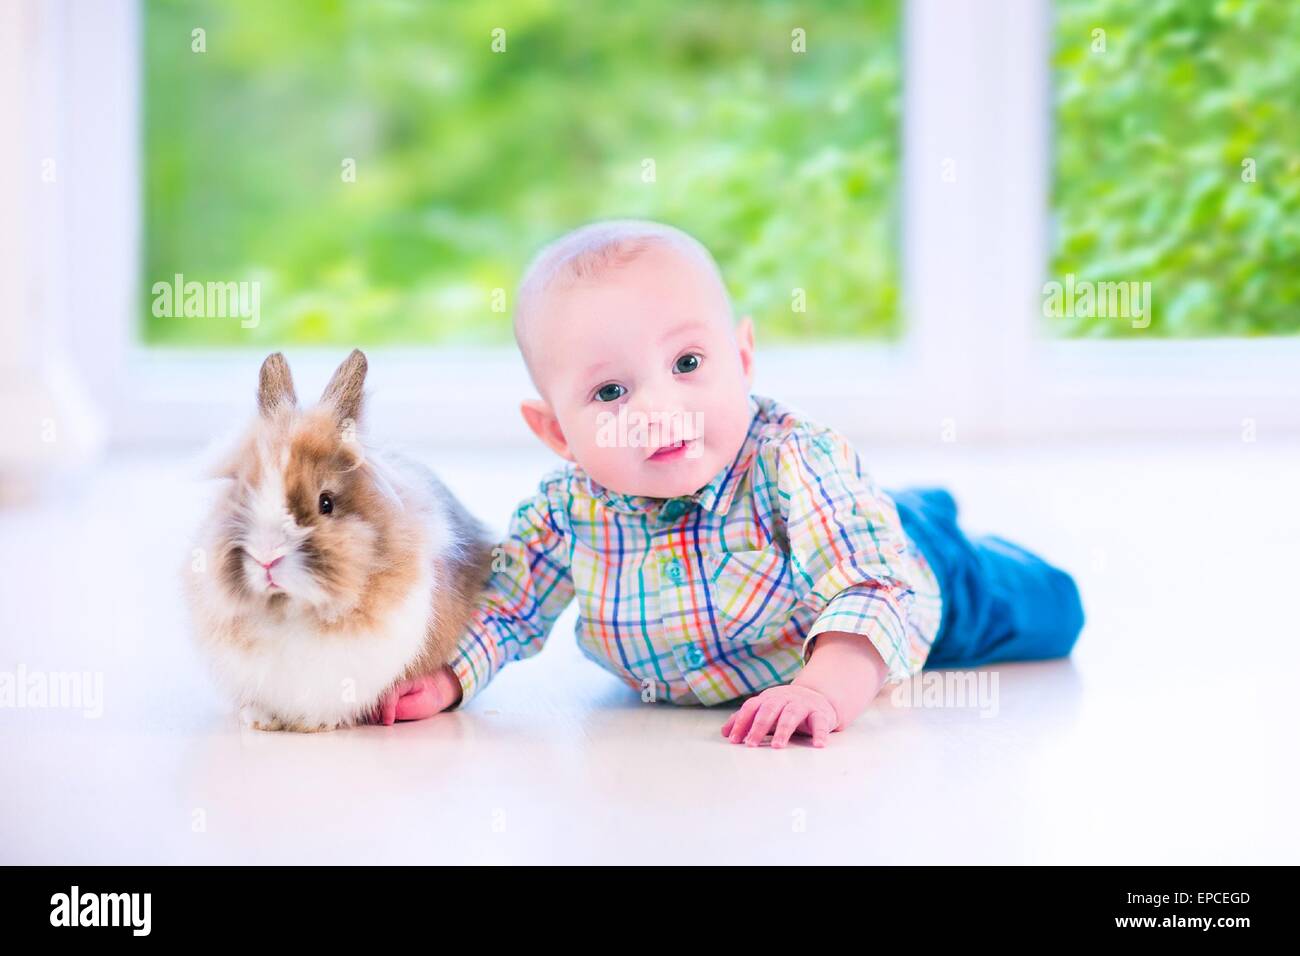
column 326, row 503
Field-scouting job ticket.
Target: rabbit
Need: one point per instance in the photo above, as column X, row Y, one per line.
column 332, row 570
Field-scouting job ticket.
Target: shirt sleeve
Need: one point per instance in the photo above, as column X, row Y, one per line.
column 528, row 590
column 847, row 545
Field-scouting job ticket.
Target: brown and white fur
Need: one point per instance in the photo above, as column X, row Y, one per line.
column 329, row 571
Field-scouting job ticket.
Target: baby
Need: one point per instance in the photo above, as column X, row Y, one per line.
column 720, row 546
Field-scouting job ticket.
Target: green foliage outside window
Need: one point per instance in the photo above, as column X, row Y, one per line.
column 466, row 160
column 1162, row 120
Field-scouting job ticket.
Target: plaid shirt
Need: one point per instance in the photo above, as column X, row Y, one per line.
column 716, row 595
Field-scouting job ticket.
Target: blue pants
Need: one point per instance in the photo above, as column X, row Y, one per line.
column 1000, row 602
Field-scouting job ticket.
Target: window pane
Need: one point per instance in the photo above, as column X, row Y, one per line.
column 1177, row 164
column 466, row 159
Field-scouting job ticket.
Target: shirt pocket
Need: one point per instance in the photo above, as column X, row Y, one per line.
column 752, row 592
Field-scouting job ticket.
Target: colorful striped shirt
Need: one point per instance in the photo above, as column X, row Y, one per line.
column 715, row 595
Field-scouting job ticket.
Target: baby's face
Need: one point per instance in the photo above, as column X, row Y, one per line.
column 644, row 374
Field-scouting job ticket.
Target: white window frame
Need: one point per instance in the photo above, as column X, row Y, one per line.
column 974, row 365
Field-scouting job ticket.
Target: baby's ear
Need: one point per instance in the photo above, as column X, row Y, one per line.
column 543, row 423
column 745, row 343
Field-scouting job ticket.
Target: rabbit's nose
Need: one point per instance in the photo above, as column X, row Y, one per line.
column 268, row 565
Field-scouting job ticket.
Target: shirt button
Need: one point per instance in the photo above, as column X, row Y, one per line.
column 672, row 510
column 691, row 656
column 674, row 570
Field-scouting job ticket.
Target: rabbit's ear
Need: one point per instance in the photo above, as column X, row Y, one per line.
column 275, row 385
column 344, row 392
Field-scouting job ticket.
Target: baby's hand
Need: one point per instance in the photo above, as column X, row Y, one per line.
column 790, row 709
column 419, row 698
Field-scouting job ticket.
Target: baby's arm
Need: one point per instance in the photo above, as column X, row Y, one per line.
column 843, row 676
column 845, row 544
column 529, row 588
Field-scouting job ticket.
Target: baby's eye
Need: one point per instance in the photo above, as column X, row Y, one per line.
column 687, row 363
column 610, row 393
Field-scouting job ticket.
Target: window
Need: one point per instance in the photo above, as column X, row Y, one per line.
column 921, row 232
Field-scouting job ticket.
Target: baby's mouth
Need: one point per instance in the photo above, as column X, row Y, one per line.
column 673, row 451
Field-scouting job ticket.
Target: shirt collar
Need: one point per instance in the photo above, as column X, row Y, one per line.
column 716, row 496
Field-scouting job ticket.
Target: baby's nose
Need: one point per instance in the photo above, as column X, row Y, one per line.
column 657, row 401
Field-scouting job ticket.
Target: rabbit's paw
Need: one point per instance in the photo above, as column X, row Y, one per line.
column 259, row 719
column 298, row 727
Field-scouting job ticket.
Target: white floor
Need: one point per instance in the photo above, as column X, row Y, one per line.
column 1170, row 737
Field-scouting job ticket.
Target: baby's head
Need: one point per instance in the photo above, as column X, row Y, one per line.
column 627, row 332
